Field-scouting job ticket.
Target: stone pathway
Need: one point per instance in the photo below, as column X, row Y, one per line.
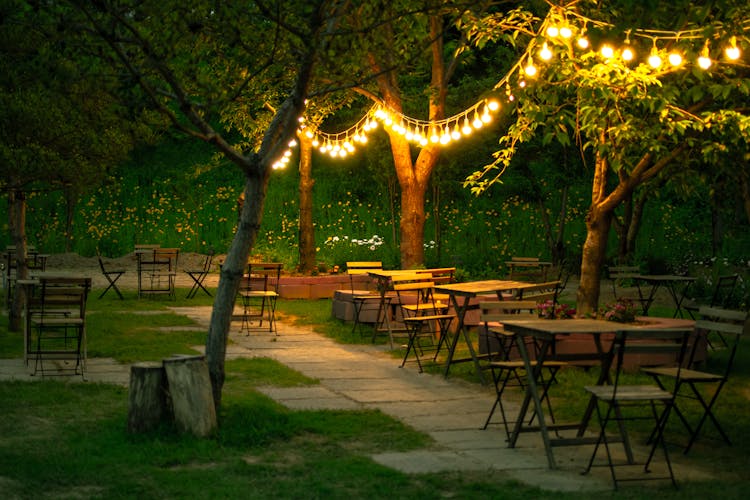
column 351, row 377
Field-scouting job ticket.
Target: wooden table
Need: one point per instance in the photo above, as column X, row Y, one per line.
column 460, row 296
column 544, row 333
column 668, row 281
column 383, row 278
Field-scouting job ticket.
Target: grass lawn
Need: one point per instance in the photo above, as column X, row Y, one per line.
column 69, row 440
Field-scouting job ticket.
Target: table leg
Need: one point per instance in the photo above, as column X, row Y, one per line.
column 462, row 330
column 532, row 394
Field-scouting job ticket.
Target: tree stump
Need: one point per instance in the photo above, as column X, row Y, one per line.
column 191, row 394
column 148, row 397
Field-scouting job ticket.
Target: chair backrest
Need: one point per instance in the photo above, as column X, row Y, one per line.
column 723, row 291
column 725, row 323
column 361, row 268
column 207, row 260
column 525, row 259
column 662, row 346
column 622, row 276
column 101, row 262
column 440, row 275
column 61, row 296
column 167, row 257
column 414, row 289
column 541, row 292
column 262, row 276
column 495, row 311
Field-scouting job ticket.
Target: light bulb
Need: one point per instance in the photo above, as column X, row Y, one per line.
column 654, row 60
column 309, row 134
column 704, row 61
column 466, row 129
column 545, row 53
column 434, row 137
column 553, row 31
column 675, row 59
column 477, row 123
column 627, row 54
column 493, row 105
column 733, row 52
column 607, row 51
column 566, row 32
column 292, row 143
column 583, row 42
column 486, row 116
column 315, row 143
column 456, row 134
column 530, row 69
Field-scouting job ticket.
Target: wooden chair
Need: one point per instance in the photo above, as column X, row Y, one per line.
column 620, row 402
column 527, row 268
column 56, row 318
column 424, row 317
column 505, row 362
column 363, row 299
column 112, row 276
column 259, row 289
column 704, row 386
column 160, row 273
column 198, row 275
column 625, row 285
column 721, row 296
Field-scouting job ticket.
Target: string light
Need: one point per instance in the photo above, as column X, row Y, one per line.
column 463, row 124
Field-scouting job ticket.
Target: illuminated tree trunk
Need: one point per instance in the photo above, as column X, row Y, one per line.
column 307, row 254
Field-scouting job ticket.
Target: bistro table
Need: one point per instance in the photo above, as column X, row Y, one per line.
column 668, row 281
column 460, row 296
column 384, row 285
column 544, row 332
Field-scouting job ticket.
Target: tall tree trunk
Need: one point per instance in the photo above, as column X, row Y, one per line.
column 17, row 222
column 307, row 255
column 229, row 279
column 598, row 223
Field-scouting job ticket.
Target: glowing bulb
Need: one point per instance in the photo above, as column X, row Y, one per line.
column 733, row 52
column 456, row 134
column 292, row 143
column 315, row 143
column 566, row 32
column 363, row 139
column 704, row 61
column 477, row 123
column 530, row 69
column 493, row 105
column 607, row 51
column 545, row 53
column 675, row 59
column 486, row 117
column 467, row 127
column 583, row 42
column 434, row 137
column 627, row 54
column 287, row 153
column 654, row 60
column 309, row 134
column 553, row 31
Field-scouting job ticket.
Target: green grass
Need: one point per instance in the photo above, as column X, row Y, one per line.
column 66, row 440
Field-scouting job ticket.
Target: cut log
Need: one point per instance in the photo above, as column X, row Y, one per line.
column 191, row 394
column 148, row 397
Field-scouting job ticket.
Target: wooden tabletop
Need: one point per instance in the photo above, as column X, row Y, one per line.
column 473, row 288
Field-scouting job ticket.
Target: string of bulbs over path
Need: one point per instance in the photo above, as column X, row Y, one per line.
column 560, row 27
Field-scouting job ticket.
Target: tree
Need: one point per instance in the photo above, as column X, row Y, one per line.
column 198, row 61
column 635, row 121
column 438, row 39
column 61, row 127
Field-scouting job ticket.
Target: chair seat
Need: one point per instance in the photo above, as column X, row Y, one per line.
column 431, row 317
column 259, row 293
column 686, row 375
column 629, row 392
column 516, row 364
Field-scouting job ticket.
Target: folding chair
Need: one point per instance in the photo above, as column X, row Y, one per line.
column 732, row 324
column 625, row 285
column 621, row 402
column 364, row 300
column 505, row 362
column 721, row 296
column 112, row 276
column 57, row 323
column 199, row 275
column 423, row 316
column 259, row 289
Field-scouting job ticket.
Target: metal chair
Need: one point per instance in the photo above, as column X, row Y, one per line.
column 621, row 402
column 112, row 276
column 259, row 289
column 199, row 275
column 704, row 386
column 363, row 300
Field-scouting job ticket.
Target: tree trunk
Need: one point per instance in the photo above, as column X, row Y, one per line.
column 190, row 393
column 307, row 255
column 17, row 222
column 598, row 223
column 229, row 279
column 147, row 396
